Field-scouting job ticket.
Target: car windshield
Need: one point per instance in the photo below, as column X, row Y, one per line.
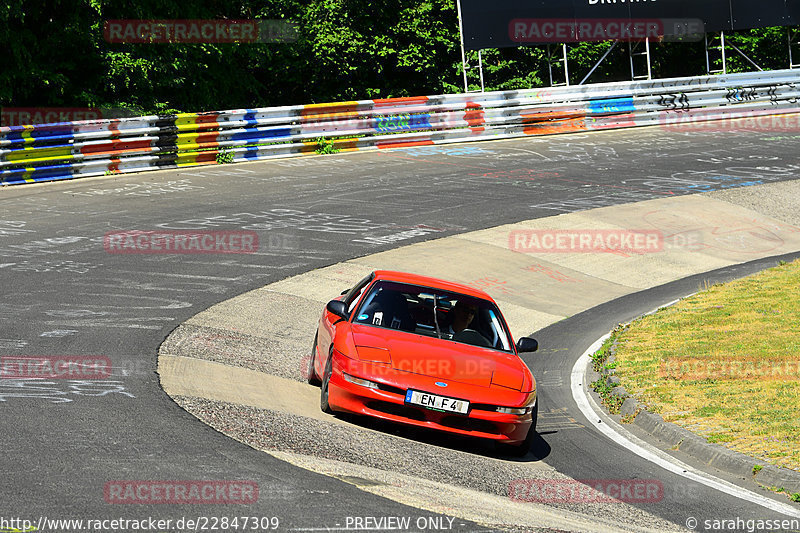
column 434, row 313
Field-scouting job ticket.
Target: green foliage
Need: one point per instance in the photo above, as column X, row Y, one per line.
column 599, row 357
column 720, row 437
column 371, row 50
column 346, row 49
column 324, row 146
column 603, row 389
column 225, row 156
column 505, row 69
column 794, row 496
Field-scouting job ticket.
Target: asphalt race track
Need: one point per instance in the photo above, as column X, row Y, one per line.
column 64, row 295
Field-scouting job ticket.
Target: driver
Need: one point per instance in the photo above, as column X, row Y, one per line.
column 462, row 315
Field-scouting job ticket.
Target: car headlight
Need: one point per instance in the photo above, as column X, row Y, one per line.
column 358, row 381
column 516, row 410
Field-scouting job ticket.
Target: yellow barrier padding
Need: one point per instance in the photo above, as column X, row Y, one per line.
column 194, row 121
column 312, row 107
column 196, row 158
column 33, row 154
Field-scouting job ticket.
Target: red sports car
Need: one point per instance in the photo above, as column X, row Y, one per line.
column 425, row 352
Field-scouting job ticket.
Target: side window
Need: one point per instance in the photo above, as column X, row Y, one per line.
column 387, row 305
column 354, row 295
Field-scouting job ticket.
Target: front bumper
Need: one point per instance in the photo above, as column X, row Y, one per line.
column 388, row 402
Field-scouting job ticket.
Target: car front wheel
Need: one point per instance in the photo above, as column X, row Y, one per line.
column 522, row 449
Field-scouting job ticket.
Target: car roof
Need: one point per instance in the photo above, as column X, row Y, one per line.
column 435, row 283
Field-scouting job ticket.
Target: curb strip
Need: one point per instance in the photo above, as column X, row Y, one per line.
column 678, row 438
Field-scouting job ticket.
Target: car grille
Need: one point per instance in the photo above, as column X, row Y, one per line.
column 453, row 421
column 397, row 410
column 469, row 424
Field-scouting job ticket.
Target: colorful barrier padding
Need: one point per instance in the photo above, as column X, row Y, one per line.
column 45, row 152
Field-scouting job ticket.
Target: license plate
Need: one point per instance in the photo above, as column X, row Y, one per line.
column 436, row 402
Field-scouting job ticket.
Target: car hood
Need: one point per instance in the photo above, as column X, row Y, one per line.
column 439, row 358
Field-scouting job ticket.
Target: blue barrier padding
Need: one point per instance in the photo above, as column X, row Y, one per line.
column 251, row 153
column 45, row 135
column 40, row 142
column 262, row 134
column 250, row 117
column 20, row 175
column 612, row 105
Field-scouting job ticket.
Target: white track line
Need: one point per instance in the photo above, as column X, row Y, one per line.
column 613, row 431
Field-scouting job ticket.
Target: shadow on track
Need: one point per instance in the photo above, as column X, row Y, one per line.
column 540, row 449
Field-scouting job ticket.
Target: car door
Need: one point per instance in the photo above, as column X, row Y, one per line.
column 327, row 322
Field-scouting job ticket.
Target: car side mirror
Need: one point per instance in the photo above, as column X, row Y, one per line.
column 338, row 308
column 526, row 344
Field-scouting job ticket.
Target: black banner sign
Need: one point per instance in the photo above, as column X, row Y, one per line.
column 509, row 23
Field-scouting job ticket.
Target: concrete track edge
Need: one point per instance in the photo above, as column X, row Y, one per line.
column 603, row 277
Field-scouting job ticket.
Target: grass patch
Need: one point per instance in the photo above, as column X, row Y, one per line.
column 602, row 388
column 225, row 157
column 720, row 437
column 599, row 363
column 325, row 146
column 724, row 363
column 794, row 496
column 599, row 357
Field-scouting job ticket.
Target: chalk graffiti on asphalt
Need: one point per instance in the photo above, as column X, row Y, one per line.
column 60, row 391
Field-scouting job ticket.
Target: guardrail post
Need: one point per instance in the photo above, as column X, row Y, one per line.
column 563, row 61
column 646, row 54
column 480, row 68
column 721, row 48
column 463, row 55
column 792, row 38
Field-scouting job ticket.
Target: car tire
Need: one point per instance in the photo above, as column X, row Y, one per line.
column 311, row 375
column 326, row 379
column 522, row 449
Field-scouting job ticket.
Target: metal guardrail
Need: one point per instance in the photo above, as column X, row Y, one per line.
column 46, row 152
